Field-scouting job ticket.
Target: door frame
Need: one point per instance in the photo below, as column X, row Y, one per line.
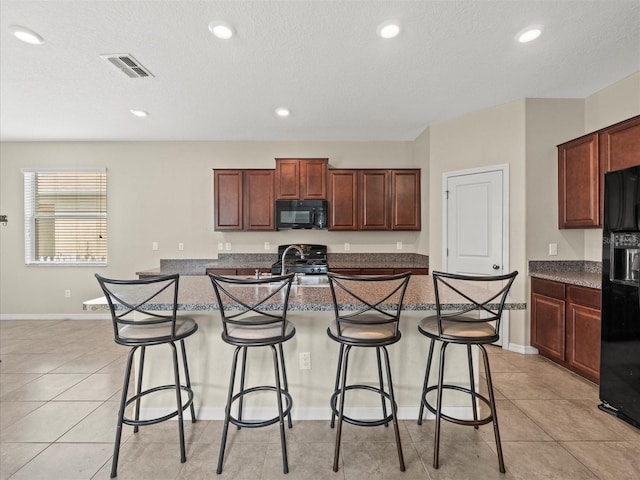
column 504, row 168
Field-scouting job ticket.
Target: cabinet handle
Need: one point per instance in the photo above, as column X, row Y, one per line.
column 496, row 266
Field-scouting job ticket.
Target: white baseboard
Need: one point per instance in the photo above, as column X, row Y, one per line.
column 524, row 349
column 55, row 316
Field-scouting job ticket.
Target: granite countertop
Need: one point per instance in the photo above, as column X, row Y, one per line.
column 196, row 294
column 574, row 272
column 265, row 260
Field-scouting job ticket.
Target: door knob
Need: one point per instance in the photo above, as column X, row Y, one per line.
column 496, row 266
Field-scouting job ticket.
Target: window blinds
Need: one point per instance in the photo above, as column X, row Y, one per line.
column 65, row 216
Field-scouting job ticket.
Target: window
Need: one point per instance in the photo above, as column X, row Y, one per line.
column 65, row 212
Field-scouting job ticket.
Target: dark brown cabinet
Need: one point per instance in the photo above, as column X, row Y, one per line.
column 244, row 200
column 582, row 164
column 250, row 272
column 405, row 200
column 343, row 199
column 379, row 271
column 583, row 331
column 565, row 325
column 579, row 183
column 547, row 318
column 374, row 199
column 301, row 179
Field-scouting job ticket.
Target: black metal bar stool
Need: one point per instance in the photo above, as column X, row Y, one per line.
column 137, row 326
column 254, row 314
column 472, row 317
column 367, row 314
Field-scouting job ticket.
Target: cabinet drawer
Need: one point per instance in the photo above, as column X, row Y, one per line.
column 589, row 297
column 548, row 288
column 222, row 271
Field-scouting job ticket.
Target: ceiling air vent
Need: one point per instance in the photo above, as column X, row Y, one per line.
column 128, row 65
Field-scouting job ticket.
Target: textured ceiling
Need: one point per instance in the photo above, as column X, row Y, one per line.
column 322, row 59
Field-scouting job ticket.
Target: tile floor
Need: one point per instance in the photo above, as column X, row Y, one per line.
column 59, row 386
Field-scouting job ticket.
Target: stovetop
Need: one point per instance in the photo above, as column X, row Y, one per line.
column 313, row 262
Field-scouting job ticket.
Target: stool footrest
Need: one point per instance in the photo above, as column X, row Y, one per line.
column 363, row 423
column 153, row 421
column 261, row 423
column 459, row 421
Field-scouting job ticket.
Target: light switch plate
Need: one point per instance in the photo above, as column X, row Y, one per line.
column 553, row 249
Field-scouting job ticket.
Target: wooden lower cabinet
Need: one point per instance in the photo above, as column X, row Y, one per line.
column 237, row 271
column 379, row 271
column 583, row 330
column 565, row 325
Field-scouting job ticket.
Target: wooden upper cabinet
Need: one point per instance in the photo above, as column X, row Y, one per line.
column 259, row 201
column 582, row 164
column 374, row 196
column 301, row 179
column 579, row 183
column 620, row 145
column 405, row 200
column 374, row 199
column 243, row 200
column 343, row 199
column 228, row 191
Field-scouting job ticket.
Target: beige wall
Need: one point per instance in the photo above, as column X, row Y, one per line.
column 610, row 105
column 494, row 136
column 163, row 192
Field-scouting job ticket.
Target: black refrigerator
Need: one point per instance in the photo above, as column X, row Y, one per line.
column 620, row 338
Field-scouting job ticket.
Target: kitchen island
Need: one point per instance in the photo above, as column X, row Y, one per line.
column 310, row 310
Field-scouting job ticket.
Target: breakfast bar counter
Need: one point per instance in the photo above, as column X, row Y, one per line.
column 310, row 310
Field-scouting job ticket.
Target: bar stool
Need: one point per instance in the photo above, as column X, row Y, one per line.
column 472, row 317
column 138, row 326
column 367, row 314
column 254, row 314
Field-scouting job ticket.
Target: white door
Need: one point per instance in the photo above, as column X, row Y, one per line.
column 474, row 222
column 475, row 218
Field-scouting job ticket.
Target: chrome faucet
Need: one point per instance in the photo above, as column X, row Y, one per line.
column 284, row 254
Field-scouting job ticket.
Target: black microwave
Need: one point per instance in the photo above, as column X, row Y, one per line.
column 301, row 214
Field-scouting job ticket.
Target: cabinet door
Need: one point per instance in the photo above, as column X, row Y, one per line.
column 620, row 145
column 405, row 200
column 313, row 179
column 343, row 199
column 228, row 191
column 579, row 183
column 221, row 271
column 583, row 331
column 548, row 326
column 583, row 340
column 373, row 199
column 287, row 182
column 259, row 200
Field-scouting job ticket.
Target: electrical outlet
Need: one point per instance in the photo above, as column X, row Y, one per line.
column 227, row 246
column 220, row 246
column 347, row 246
column 267, row 245
column 181, row 246
column 553, row 249
column 305, row 360
column 399, row 245
column 67, row 293
column 154, row 246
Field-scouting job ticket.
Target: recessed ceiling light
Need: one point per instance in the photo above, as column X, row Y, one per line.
column 222, row 30
column 529, row 34
column 283, row 112
column 139, row 113
column 389, row 29
column 26, row 35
